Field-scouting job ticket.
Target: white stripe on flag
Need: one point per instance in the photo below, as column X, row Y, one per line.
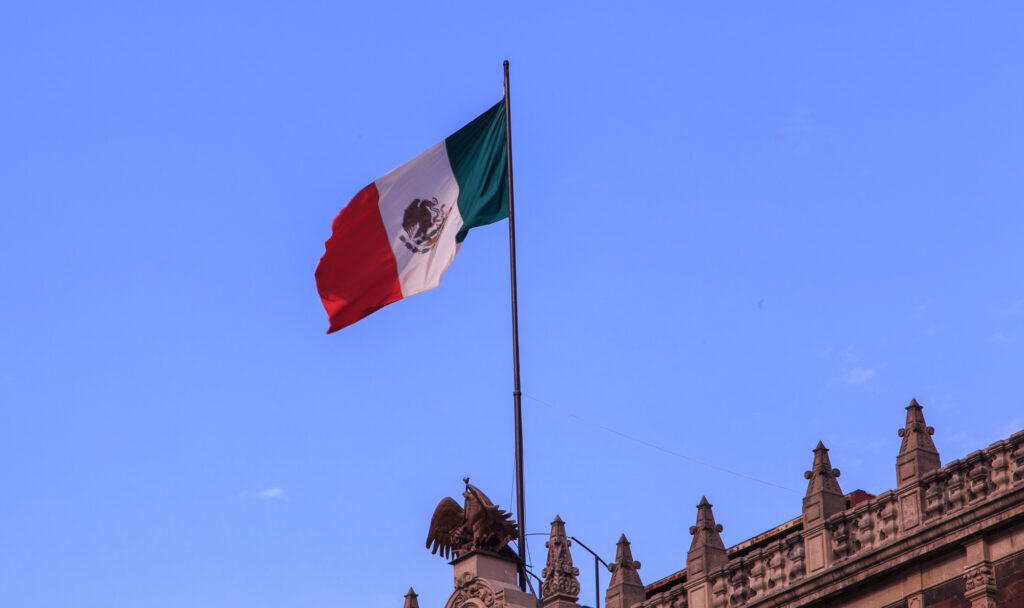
column 425, row 250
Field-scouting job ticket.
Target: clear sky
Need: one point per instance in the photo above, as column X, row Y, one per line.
column 742, row 229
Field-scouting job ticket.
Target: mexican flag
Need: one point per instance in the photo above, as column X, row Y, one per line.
column 400, row 233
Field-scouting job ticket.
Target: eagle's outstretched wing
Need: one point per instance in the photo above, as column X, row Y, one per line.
column 503, row 526
column 499, row 522
column 448, row 518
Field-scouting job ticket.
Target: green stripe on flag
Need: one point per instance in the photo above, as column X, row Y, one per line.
column 477, row 155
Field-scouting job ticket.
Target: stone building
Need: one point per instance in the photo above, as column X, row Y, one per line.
column 946, row 537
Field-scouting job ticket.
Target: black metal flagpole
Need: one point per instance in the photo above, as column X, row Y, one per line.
column 517, row 394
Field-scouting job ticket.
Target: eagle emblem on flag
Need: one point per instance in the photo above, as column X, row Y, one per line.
column 422, row 222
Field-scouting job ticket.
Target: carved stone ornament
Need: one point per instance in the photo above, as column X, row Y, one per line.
column 474, row 592
column 757, row 573
column 822, row 477
column 719, row 590
column 706, row 548
column 955, row 493
column 410, row 600
column 776, row 564
column 738, row 580
column 678, row 600
column 479, row 525
column 980, row 585
column 795, row 554
column 887, row 515
column 840, row 537
column 1017, row 455
column 624, row 568
column 978, row 485
column 559, row 574
column 934, row 484
column 917, row 450
column 864, row 528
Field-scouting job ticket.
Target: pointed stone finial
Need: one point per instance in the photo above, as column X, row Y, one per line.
column 410, row 599
column 917, row 451
column 707, row 551
column 824, row 497
column 561, row 588
column 625, row 588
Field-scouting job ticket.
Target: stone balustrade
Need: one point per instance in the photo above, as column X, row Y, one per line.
column 753, row 574
column 979, row 476
column 761, row 572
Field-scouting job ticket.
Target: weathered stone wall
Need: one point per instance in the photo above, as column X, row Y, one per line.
column 1009, row 574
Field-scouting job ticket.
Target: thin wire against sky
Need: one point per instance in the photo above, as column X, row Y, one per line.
column 658, row 447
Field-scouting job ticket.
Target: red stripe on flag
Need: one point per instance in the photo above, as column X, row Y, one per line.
column 357, row 274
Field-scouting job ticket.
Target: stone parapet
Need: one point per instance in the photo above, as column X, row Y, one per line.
column 940, row 515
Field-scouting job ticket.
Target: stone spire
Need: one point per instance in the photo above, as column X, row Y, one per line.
column 625, row 589
column 917, row 451
column 410, row 599
column 707, row 551
column 824, row 497
column 561, row 588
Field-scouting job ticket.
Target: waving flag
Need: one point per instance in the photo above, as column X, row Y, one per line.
column 400, row 233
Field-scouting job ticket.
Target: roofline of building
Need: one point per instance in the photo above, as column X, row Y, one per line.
column 742, row 548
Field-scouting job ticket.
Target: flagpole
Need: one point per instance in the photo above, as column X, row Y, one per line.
column 517, row 394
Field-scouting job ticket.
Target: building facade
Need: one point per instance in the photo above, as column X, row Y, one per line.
column 946, row 537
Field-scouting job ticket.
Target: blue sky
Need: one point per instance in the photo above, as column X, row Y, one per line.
column 741, row 229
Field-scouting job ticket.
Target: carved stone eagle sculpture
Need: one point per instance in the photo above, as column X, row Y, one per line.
column 480, row 525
